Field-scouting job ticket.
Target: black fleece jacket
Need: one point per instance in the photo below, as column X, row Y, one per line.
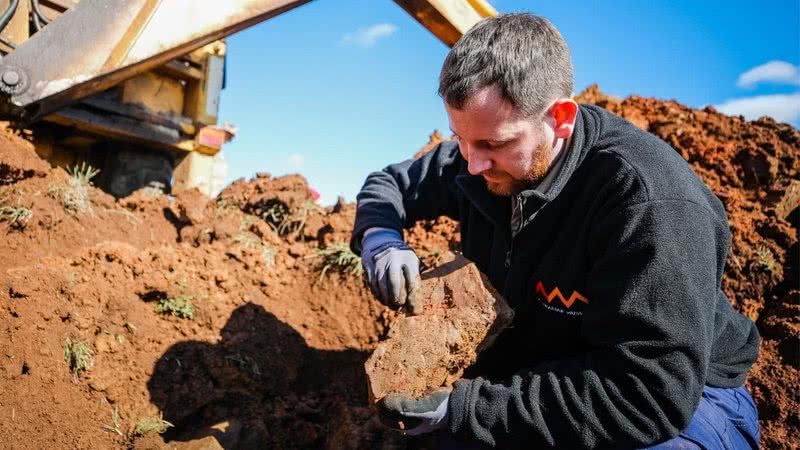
column 615, row 279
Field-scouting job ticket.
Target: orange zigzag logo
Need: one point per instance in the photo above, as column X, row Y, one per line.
column 557, row 293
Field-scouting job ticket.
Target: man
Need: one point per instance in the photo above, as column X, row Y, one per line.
column 609, row 249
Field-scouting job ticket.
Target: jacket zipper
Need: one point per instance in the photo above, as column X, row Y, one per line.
column 516, row 226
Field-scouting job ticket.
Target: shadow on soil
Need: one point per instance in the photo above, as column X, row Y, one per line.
column 272, row 389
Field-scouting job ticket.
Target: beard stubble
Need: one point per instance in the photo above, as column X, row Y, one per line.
column 540, row 165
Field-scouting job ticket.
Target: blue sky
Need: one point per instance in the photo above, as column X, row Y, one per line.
column 336, row 89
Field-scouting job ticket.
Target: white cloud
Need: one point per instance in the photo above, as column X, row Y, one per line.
column 780, row 72
column 296, row 160
column 781, row 107
column 367, row 37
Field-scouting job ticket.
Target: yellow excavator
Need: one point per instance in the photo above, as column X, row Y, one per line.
column 133, row 86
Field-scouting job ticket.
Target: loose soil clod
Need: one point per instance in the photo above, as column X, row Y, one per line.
column 461, row 315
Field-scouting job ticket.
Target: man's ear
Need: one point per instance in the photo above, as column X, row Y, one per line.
column 563, row 112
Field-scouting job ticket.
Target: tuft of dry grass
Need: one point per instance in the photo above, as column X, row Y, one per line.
column 181, row 306
column 78, row 355
column 151, row 425
column 75, row 196
column 16, row 216
column 116, row 423
column 339, row 258
column 14, row 212
column 296, row 221
column 765, row 261
column 275, row 213
column 284, row 220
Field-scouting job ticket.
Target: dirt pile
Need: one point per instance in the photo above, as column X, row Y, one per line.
column 183, row 310
column 248, row 311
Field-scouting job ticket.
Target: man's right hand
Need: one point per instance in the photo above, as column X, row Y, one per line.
column 391, row 268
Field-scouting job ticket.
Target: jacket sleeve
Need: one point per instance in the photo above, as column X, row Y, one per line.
column 652, row 286
column 403, row 193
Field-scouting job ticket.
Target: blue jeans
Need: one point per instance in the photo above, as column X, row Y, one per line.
column 725, row 419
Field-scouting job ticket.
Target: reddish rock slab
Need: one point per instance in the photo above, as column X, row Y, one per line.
column 461, row 315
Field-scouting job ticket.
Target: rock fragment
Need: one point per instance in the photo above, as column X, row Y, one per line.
column 461, row 316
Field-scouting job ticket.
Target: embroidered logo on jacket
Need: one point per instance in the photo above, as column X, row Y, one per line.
column 549, row 297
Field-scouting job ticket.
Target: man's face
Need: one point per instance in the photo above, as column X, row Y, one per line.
column 509, row 151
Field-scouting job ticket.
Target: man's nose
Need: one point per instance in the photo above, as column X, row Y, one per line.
column 477, row 163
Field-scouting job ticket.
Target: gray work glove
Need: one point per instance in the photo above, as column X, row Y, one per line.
column 391, row 268
column 415, row 417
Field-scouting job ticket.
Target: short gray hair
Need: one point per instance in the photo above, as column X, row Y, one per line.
column 522, row 54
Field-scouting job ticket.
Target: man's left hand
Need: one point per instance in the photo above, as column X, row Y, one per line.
column 416, row 417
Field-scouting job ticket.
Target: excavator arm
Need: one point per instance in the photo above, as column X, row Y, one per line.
column 99, row 43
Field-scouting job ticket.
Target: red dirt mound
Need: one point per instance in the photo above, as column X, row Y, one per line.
column 192, row 310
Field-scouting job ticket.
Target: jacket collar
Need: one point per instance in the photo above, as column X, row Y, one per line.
column 497, row 209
